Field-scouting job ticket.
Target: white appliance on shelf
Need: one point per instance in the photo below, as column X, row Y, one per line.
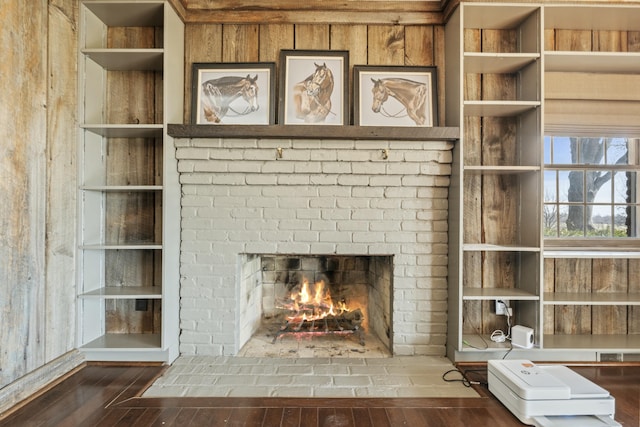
column 550, row 395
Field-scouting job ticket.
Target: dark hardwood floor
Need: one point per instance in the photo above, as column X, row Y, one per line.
column 99, row 395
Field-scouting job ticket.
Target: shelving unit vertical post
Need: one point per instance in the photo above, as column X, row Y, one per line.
column 130, row 88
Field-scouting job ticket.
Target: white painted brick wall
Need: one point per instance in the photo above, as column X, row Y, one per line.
column 321, row 197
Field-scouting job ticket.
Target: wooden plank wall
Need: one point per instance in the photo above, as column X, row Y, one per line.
column 490, row 201
column 598, row 275
column 133, row 217
column 37, row 181
column 367, row 44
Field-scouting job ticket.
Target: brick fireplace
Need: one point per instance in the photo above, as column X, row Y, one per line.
column 246, row 200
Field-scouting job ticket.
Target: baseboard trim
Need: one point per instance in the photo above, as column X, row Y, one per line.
column 33, row 384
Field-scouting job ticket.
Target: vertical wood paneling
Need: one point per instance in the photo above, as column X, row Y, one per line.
column 273, row 38
column 131, row 217
column 573, row 275
column 472, row 194
column 23, row 184
column 439, row 62
column 61, row 193
column 385, row 44
column 633, row 41
column 419, row 45
column 473, row 311
column 349, row 37
column 499, row 192
column 634, row 286
column 609, row 275
column 549, row 286
column 240, row 43
column 573, row 40
column 420, row 49
column 610, row 41
column 312, row 36
column 549, row 39
column 203, row 43
column 37, row 176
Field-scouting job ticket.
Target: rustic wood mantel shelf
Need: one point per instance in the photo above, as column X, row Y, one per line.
column 315, row 132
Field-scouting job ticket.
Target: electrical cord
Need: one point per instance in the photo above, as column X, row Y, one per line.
column 498, row 335
column 467, row 343
column 507, row 353
column 486, row 344
column 464, row 379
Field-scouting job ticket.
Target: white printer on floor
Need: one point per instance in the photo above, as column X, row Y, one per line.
column 550, row 395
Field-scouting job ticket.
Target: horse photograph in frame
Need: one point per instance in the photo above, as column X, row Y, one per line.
column 233, row 93
column 395, row 96
column 313, row 87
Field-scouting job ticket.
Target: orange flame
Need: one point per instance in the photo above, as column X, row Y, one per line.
column 312, row 304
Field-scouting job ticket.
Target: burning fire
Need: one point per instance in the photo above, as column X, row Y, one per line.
column 313, row 311
column 313, row 303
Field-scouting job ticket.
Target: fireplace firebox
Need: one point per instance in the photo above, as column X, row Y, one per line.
column 340, row 299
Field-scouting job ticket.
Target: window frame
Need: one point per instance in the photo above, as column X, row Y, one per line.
column 591, row 242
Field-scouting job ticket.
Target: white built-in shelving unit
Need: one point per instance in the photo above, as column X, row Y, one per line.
column 514, row 239
column 608, row 82
column 128, row 201
column 496, row 240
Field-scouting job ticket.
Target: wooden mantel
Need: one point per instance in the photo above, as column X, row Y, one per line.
column 315, row 132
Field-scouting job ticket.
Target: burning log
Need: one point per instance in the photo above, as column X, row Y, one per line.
column 346, row 322
column 313, row 311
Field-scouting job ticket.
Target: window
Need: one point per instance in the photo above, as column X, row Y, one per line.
column 590, row 188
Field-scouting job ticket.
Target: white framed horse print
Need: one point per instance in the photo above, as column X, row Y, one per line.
column 233, row 93
column 395, row 96
column 313, row 87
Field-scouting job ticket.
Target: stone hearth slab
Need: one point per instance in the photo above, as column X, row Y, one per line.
column 225, row 376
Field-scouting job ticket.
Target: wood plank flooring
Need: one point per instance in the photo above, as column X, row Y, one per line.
column 99, row 395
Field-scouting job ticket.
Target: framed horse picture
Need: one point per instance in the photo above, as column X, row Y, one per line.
column 233, row 93
column 313, row 87
column 395, row 96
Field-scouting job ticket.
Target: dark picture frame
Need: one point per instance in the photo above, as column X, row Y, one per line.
column 240, row 93
column 395, row 96
column 313, row 87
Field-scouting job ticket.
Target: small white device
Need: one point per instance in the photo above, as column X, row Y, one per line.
column 521, row 336
column 550, row 396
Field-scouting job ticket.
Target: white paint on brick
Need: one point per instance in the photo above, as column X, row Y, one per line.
column 321, row 197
